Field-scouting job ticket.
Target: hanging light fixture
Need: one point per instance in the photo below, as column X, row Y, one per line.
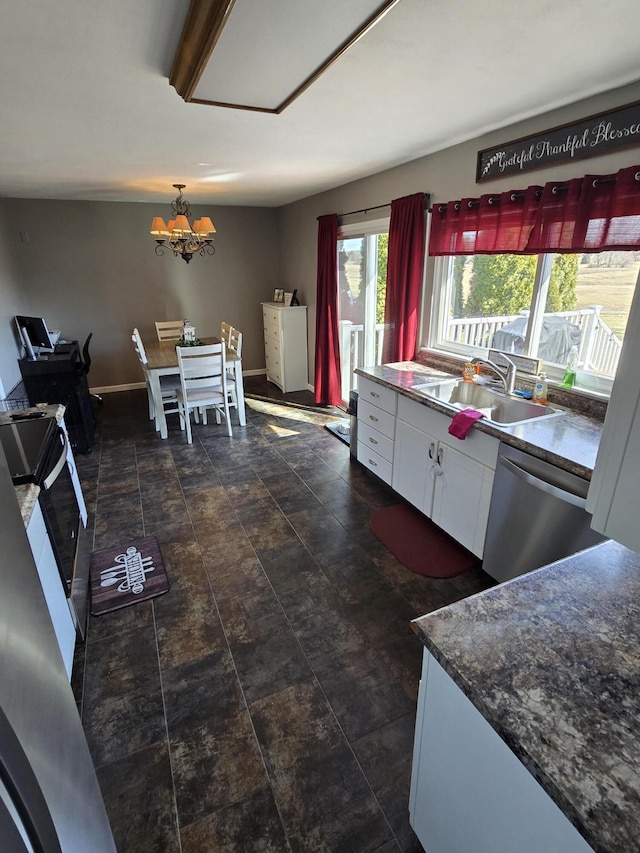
column 178, row 236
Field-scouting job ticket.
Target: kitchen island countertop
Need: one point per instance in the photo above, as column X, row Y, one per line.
column 552, row 661
column 569, row 441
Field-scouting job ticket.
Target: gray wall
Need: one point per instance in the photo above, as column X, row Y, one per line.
column 447, row 174
column 12, row 301
column 90, row 266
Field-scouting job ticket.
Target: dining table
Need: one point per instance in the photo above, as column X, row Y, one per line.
column 162, row 360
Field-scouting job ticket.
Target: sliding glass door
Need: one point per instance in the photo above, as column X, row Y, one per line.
column 362, row 276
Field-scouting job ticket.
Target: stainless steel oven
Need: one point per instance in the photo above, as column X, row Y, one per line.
column 37, row 452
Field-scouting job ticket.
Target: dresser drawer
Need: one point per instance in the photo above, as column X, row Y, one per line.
column 380, row 396
column 376, row 418
column 272, row 361
column 381, row 444
column 374, row 462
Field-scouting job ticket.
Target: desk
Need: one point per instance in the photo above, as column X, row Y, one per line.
column 162, row 360
column 58, row 378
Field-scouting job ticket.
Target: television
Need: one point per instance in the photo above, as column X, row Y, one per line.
column 34, row 334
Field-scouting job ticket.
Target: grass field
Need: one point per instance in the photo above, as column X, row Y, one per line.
column 611, row 287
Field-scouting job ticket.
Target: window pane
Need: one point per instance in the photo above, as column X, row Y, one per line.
column 488, row 300
column 362, row 276
column 588, row 306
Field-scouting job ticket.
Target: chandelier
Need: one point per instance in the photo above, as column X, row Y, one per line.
column 178, row 236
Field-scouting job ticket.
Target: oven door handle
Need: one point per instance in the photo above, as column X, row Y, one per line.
column 62, row 461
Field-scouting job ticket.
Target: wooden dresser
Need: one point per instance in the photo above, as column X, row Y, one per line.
column 285, row 345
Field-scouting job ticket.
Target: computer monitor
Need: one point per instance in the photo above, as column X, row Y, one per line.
column 35, row 334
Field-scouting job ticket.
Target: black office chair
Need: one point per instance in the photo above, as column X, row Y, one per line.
column 85, row 364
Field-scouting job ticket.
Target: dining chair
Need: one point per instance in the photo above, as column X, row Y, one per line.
column 168, row 384
column 203, row 384
column 169, row 330
column 225, row 332
column 234, row 345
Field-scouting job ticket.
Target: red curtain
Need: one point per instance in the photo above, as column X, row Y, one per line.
column 491, row 224
column 327, row 369
column 596, row 213
column 405, row 262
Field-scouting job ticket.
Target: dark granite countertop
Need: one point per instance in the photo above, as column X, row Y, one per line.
column 552, row 661
column 569, row 441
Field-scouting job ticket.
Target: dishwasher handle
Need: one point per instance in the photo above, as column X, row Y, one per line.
column 543, row 485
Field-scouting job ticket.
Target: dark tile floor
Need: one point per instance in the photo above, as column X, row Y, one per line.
column 267, row 702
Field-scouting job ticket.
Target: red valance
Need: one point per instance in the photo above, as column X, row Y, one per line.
column 596, row 213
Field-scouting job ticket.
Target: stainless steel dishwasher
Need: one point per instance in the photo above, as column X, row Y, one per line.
column 537, row 516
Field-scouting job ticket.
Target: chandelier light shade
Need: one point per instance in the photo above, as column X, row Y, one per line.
column 178, row 235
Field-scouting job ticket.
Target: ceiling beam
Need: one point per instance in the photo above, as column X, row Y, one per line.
column 202, row 28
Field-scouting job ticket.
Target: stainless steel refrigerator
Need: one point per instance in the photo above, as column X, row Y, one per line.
column 50, row 800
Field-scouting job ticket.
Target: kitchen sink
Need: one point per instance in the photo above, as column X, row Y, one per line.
column 499, row 408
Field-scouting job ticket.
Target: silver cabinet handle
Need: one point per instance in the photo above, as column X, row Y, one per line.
column 371, row 462
column 62, row 461
column 373, row 418
column 432, row 448
column 373, row 394
column 440, row 456
column 372, row 440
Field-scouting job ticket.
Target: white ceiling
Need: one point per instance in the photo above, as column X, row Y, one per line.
column 87, row 112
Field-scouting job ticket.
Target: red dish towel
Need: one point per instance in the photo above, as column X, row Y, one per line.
column 463, row 421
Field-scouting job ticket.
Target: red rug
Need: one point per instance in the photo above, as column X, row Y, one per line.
column 419, row 544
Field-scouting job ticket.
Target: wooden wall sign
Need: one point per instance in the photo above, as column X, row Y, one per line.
column 598, row 134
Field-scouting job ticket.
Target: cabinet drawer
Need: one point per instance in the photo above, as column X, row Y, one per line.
column 271, row 317
column 381, row 444
column 272, row 333
column 380, row 396
column 374, row 462
column 376, row 418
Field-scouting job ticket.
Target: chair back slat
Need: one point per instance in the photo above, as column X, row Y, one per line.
column 235, row 342
column 225, row 332
column 169, row 330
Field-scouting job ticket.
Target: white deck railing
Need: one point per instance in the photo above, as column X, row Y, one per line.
column 599, row 346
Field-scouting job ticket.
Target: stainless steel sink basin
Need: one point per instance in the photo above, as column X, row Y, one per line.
column 501, row 409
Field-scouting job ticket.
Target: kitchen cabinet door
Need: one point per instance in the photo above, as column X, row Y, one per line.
column 469, row 792
column 462, row 496
column 413, row 466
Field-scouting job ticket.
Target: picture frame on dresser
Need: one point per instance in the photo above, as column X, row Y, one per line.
column 278, row 294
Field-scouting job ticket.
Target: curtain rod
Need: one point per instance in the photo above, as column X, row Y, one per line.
column 376, row 207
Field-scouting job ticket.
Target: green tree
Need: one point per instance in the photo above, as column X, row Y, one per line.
column 457, row 300
column 500, row 284
column 562, row 285
column 381, row 292
column 503, row 284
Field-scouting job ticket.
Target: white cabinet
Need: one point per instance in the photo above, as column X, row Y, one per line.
column 285, row 345
column 615, row 485
column 52, row 586
column 447, row 479
column 377, row 407
column 468, row 790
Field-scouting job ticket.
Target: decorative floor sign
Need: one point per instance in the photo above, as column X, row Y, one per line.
column 126, row 574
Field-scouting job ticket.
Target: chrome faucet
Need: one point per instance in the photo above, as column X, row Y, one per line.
column 507, row 375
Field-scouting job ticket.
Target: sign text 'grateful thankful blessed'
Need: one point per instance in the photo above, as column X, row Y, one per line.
column 595, row 135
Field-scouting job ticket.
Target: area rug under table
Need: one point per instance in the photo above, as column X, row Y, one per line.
column 419, row 544
column 127, row 574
